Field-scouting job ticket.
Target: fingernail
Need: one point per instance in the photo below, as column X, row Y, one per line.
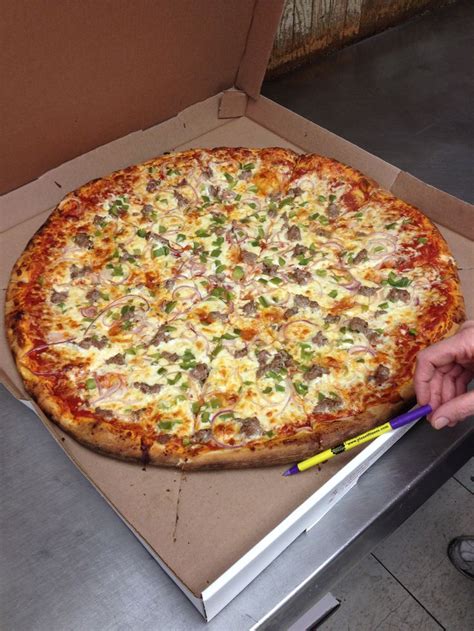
column 440, row 422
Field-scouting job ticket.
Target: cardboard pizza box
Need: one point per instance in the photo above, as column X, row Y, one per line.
column 107, row 90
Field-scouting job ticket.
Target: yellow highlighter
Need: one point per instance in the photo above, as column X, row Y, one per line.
column 399, row 421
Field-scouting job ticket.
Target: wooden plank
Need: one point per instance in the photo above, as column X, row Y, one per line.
column 303, row 15
column 352, row 20
column 284, row 37
column 328, row 22
column 309, row 27
column 377, row 16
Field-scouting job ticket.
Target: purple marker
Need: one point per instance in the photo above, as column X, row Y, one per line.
column 399, row 421
column 412, row 415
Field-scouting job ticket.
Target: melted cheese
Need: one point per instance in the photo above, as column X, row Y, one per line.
column 224, row 243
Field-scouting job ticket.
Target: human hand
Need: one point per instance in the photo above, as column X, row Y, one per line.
column 442, row 374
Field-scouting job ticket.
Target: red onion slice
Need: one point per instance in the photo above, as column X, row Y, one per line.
column 332, row 243
column 233, row 235
column 191, row 291
column 220, row 442
column 69, row 253
column 40, row 349
column 165, row 208
column 354, row 350
column 193, row 191
column 305, row 183
column 220, row 413
column 113, row 304
column 382, row 235
column 349, row 281
column 107, row 277
column 198, row 269
column 56, row 337
column 178, row 217
column 387, row 244
column 252, row 200
column 278, row 292
column 352, row 286
column 88, row 312
column 140, row 326
column 109, row 385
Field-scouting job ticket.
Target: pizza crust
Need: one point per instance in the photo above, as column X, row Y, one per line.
column 101, row 437
column 104, row 437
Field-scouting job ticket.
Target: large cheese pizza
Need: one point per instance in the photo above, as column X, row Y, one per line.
column 228, row 307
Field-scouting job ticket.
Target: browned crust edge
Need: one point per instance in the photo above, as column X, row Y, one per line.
column 102, row 437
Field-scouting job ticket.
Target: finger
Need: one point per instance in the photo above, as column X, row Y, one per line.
column 435, row 387
column 453, row 411
column 448, row 388
column 424, row 372
column 462, row 381
column 448, row 368
column 427, row 363
column 458, row 348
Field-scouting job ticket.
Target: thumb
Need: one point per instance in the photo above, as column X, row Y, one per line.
column 453, row 411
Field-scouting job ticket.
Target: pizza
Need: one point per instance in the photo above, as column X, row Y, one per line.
column 228, row 307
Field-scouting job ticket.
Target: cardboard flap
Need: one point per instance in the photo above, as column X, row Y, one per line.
column 81, row 74
column 437, row 205
column 233, row 104
column 265, row 20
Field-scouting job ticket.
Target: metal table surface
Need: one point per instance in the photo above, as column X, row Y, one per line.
column 68, row 562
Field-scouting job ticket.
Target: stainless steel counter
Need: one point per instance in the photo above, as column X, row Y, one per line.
column 68, row 562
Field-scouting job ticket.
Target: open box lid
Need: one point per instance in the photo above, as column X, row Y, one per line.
column 77, row 76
